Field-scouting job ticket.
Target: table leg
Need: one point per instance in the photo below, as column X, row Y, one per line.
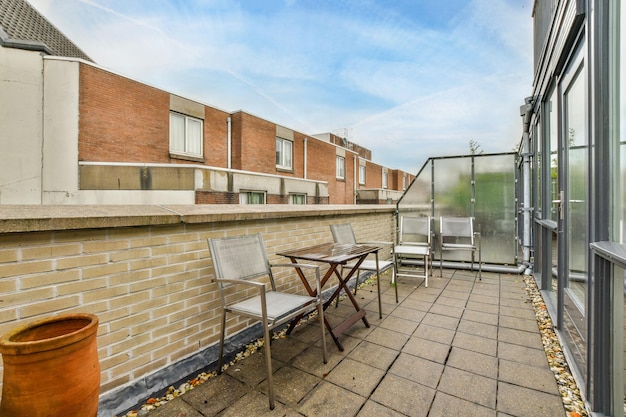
column 359, row 314
column 313, row 292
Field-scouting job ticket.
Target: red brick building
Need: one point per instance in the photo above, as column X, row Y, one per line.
column 97, row 137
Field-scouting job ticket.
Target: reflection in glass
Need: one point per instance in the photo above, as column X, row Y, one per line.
column 553, row 140
column 577, row 148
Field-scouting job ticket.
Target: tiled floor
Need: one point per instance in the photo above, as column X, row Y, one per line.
column 460, row 347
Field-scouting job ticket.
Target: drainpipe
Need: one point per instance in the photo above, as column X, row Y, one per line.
column 354, row 176
column 526, row 112
column 305, row 156
column 229, row 139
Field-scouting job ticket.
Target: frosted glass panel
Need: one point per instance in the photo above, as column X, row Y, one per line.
column 453, row 187
column 417, row 198
column 495, row 206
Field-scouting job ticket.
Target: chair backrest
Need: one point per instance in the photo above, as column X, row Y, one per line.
column 414, row 230
column 343, row 233
column 240, row 257
column 462, row 227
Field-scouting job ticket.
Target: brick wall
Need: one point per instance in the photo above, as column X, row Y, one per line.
column 122, row 120
column 149, row 285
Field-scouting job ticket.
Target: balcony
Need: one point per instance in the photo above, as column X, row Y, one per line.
column 460, row 346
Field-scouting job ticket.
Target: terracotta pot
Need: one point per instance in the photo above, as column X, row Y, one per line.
column 51, row 368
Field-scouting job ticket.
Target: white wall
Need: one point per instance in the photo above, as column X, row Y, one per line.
column 20, row 126
column 60, row 131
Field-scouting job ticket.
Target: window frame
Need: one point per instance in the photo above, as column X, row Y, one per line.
column 362, row 174
column 282, row 154
column 294, row 196
column 248, row 193
column 340, row 165
column 188, row 142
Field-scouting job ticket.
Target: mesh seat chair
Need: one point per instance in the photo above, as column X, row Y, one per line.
column 414, row 241
column 457, row 234
column 343, row 233
column 239, row 262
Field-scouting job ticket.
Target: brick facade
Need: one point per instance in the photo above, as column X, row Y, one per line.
column 122, row 120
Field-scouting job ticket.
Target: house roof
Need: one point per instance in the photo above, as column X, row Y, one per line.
column 23, row 27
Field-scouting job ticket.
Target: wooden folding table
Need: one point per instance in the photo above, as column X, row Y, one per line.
column 335, row 254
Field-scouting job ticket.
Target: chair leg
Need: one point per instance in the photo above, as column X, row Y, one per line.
column 441, row 260
column 320, row 314
column 268, row 362
column 393, row 279
column 394, row 274
column 426, row 270
column 480, row 266
column 220, row 361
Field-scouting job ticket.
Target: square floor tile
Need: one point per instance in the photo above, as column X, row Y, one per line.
column 291, row 384
column 514, row 400
column 478, row 363
column 373, row 409
column 356, row 377
column 407, row 397
column 478, row 329
column 331, row 400
column 418, row 370
column 446, row 405
column 378, row 356
column 439, row 320
column 475, row 343
column 398, row 324
column 469, row 386
column 387, row 338
column 427, row 349
column 538, row 378
column 436, row 334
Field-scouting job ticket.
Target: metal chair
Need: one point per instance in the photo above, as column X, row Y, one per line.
column 239, row 262
column 414, row 241
column 457, row 233
column 343, row 233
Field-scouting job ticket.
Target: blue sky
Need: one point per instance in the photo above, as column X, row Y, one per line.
column 407, row 79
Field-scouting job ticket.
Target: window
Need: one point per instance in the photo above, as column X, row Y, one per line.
column 252, row 197
column 362, row 174
column 185, row 135
column 404, row 182
column 297, row 199
column 341, row 167
column 284, row 152
column 384, row 179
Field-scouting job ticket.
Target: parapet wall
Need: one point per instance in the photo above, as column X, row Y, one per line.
column 146, row 272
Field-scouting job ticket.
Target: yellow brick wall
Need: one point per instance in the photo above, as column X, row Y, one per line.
column 150, row 286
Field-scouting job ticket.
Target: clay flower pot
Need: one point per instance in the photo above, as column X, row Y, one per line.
column 51, row 368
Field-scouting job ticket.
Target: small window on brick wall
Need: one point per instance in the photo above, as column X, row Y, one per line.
column 252, row 197
column 362, row 174
column 185, row 135
column 341, row 167
column 297, row 199
column 284, row 153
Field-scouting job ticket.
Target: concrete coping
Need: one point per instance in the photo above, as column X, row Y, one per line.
column 36, row 218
